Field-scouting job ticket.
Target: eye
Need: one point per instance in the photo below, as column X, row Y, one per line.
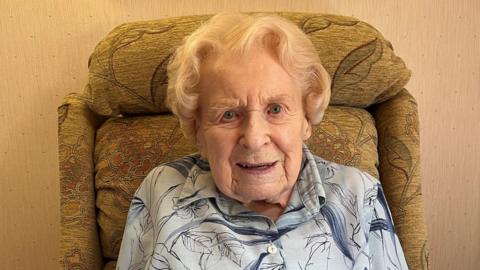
column 275, row 108
column 229, row 116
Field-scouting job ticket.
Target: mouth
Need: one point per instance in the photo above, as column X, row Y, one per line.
column 256, row 167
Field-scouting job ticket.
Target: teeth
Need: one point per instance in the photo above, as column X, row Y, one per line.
column 262, row 165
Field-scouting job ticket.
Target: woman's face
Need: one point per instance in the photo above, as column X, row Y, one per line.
column 251, row 126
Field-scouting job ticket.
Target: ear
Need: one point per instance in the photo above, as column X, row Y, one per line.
column 313, row 103
column 306, row 128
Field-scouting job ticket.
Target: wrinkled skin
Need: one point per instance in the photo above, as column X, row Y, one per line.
column 250, row 126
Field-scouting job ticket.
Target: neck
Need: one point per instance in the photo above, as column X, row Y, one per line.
column 273, row 211
column 271, row 208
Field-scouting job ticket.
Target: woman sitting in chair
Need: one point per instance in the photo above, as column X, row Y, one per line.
column 247, row 90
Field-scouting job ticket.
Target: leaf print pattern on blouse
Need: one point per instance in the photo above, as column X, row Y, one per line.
column 337, row 223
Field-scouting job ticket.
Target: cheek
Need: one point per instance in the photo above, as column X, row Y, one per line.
column 210, row 143
column 217, row 148
column 290, row 144
column 218, row 145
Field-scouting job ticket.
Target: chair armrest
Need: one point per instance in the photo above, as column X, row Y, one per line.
column 79, row 244
column 399, row 154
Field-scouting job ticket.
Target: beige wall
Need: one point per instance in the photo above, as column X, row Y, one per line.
column 44, row 47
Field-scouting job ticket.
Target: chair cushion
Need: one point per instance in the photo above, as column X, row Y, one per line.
column 347, row 136
column 127, row 148
column 128, row 67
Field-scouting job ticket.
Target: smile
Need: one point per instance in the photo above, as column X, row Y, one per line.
column 256, row 166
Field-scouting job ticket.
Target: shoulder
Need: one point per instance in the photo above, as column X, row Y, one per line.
column 347, row 182
column 167, row 178
column 347, row 175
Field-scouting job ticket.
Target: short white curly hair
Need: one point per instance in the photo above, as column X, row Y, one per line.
column 240, row 33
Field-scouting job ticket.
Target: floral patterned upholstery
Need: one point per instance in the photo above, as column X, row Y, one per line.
column 111, row 135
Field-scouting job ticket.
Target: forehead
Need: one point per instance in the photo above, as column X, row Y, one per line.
column 256, row 76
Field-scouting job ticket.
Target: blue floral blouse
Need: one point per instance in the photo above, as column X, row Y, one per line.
column 337, row 218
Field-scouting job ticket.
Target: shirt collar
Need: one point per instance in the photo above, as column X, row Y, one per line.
column 309, row 184
column 199, row 185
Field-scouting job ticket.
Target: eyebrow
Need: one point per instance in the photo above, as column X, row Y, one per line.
column 234, row 103
column 224, row 103
column 279, row 98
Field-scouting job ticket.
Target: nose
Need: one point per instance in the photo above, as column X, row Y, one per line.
column 255, row 131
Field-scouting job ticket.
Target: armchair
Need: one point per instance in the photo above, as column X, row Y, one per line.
column 118, row 129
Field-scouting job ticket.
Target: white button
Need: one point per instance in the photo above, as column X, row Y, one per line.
column 272, row 249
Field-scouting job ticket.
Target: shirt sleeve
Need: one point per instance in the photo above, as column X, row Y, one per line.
column 384, row 245
column 137, row 242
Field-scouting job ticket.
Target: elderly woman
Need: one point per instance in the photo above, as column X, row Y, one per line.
column 247, row 90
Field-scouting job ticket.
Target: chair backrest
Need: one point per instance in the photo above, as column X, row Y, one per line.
column 128, row 67
column 119, row 128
